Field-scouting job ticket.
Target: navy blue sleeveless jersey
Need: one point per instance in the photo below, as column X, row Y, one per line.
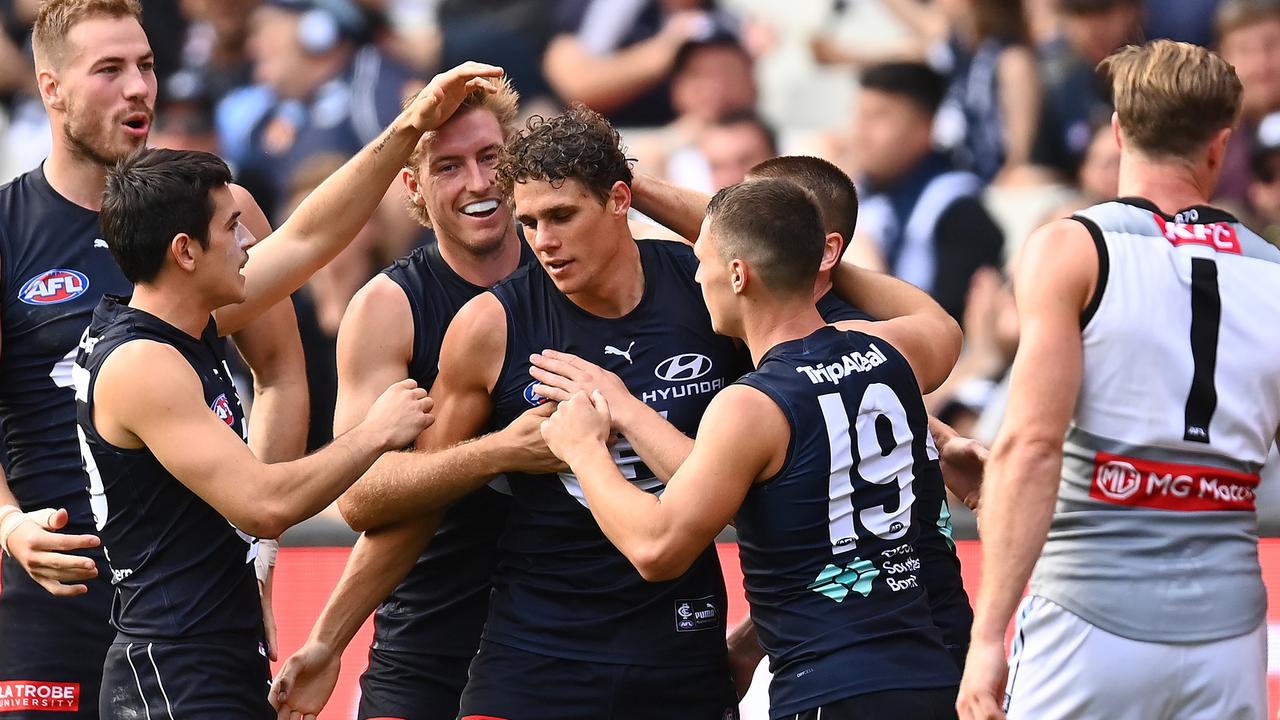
column 441, row 605
column 54, row 268
column 180, row 570
column 561, row 588
column 828, row 544
column 940, row 568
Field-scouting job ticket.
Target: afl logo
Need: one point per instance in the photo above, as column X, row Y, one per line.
column 681, row 368
column 532, row 397
column 222, row 409
column 1118, row 480
column 53, row 286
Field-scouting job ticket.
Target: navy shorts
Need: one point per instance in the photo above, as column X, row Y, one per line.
column 52, row 648
column 187, row 680
column 924, row 704
column 411, row 686
column 510, row 684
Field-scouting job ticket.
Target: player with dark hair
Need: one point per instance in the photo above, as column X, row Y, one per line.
column 824, row 496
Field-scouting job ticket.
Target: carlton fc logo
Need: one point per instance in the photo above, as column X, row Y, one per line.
column 223, row 410
column 53, row 286
column 532, row 397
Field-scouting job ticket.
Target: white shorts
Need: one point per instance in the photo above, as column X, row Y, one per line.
column 1064, row 667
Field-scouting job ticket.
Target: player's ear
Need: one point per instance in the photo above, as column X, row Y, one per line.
column 619, row 199
column 50, row 89
column 739, row 276
column 409, row 179
column 830, row 251
column 183, row 249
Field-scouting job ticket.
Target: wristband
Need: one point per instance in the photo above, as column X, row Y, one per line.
column 266, row 559
column 8, row 524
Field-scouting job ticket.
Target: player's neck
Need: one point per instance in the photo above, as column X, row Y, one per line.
column 1172, row 186
column 822, row 286
column 176, row 306
column 767, row 322
column 619, row 288
column 75, row 177
column 483, row 269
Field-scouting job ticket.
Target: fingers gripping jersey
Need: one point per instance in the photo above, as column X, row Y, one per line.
column 179, row 568
column 1154, row 536
column 561, row 588
column 828, row 544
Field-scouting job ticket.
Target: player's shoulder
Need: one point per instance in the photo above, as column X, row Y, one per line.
column 382, row 303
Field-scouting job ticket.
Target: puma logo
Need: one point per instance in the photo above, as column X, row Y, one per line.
column 611, row 350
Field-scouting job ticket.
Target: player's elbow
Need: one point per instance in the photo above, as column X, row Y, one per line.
column 352, row 512
column 268, row 522
column 946, row 342
column 658, row 562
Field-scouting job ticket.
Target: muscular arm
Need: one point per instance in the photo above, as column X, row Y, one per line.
column 1058, row 270
column 272, row 348
column 146, row 394
column 916, row 325
column 405, row 485
column 615, row 79
column 679, row 209
column 663, row 535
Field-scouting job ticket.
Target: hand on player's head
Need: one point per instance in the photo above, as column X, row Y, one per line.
column 440, row 99
column 400, row 414
column 579, row 423
column 42, row 551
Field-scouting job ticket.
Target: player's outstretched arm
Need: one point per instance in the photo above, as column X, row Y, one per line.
column 921, row 330
column 1057, row 274
column 661, row 445
column 449, row 463
column 146, row 394
column 663, row 535
column 378, row 562
column 331, row 216
column 678, row 209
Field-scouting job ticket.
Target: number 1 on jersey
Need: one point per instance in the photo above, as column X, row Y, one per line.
column 1206, row 315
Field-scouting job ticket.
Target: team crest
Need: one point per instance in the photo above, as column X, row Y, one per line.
column 53, row 286
column 222, row 409
column 532, row 397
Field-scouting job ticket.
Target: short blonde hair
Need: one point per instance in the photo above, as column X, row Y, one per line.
column 505, row 106
column 1171, row 97
column 56, row 18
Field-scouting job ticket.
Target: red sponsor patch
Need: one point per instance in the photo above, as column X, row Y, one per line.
column 18, row 695
column 1170, row 486
column 1219, row 236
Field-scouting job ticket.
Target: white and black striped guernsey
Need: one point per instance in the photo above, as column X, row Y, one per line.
column 1154, row 537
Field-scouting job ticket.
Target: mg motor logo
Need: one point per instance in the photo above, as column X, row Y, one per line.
column 53, row 286
column 682, row 368
column 1118, row 480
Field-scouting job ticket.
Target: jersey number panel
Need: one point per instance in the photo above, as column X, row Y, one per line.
column 1206, row 316
column 880, row 413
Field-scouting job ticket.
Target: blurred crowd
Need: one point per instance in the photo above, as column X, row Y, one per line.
column 966, row 123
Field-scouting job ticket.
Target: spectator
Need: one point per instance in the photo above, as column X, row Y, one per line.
column 320, row 89
column 923, row 214
column 1180, row 20
column 1099, row 177
column 215, row 55
column 1264, row 183
column 512, row 34
column 735, row 144
column 617, row 56
column 1075, row 98
column 1249, row 39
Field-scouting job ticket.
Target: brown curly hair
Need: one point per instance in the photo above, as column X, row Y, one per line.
column 578, row 144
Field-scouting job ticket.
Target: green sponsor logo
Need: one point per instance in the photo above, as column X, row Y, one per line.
column 836, row 583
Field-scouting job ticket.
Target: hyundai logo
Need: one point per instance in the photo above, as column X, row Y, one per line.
column 680, row 368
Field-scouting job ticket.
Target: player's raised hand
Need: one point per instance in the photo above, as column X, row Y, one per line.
column 34, row 541
column 524, row 438
column 561, row 374
column 440, row 99
column 400, row 414
column 963, row 460
column 305, row 682
column 578, row 423
column 982, row 688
